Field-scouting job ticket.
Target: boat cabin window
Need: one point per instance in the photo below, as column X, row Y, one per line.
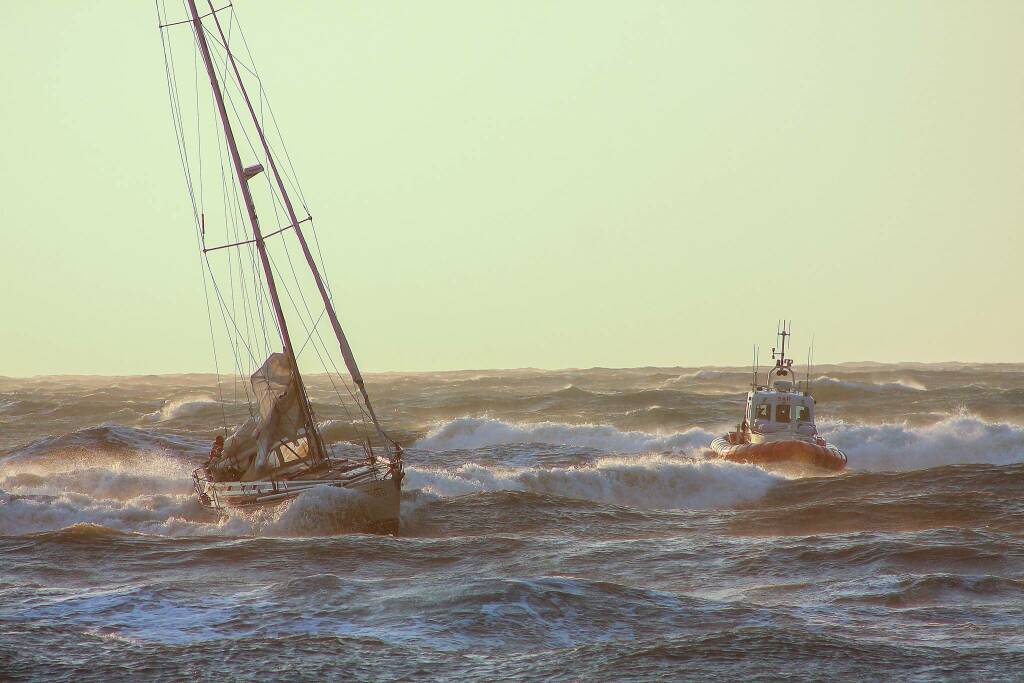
column 801, row 414
column 763, row 412
column 782, row 413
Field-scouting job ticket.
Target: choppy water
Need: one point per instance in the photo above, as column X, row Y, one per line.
column 556, row 526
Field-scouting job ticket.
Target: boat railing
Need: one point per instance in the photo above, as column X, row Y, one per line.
column 215, row 495
column 201, row 482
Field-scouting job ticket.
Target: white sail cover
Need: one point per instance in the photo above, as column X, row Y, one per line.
column 252, row 452
column 276, row 393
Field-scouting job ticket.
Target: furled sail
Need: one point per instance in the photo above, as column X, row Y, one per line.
column 275, row 437
column 277, row 395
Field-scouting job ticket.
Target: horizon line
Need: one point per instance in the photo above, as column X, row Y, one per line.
column 526, row 368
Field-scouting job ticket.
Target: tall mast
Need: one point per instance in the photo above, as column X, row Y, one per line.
column 312, row 435
column 346, row 349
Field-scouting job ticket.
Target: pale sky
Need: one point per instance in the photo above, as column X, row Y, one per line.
column 547, row 184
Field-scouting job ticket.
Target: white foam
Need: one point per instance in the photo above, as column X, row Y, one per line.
column 872, row 387
column 321, row 511
column 959, row 439
column 113, row 480
column 151, row 492
column 702, row 375
column 477, row 432
column 153, row 495
column 644, row 481
column 188, row 406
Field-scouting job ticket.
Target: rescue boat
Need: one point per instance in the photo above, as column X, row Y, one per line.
column 778, row 425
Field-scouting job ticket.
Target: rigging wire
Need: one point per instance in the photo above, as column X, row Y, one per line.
column 235, row 214
column 284, row 284
column 261, row 295
column 293, row 178
column 275, row 195
column 202, row 239
column 250, row 300
column 293, row 182
column 175, row 101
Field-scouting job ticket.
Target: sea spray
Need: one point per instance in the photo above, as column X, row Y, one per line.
column 959, row 439
column 476, row 432
column 647, row 481
column 189, row 406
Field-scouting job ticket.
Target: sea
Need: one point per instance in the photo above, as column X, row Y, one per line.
column 556, row 526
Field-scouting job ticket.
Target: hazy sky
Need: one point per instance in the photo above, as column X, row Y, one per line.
column 550, row 184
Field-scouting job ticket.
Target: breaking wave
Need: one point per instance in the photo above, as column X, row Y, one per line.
column 126, row 480
column 131, row 480
column 321, row 511
column 696, row 376
column 651, row 481
column 51, row 487
column 160, row 501
column 477, row 432
column 960, row 439
column 826, row 387
column 115, row 443
column 189, row 406
column 702, row 374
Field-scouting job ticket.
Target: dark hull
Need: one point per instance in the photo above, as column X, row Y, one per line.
column 826, row 456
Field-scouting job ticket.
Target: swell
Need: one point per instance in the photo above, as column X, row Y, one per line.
column 936, row 589
column 957, row 439
column 103, row 440
column 138, row 480
column 186, row 407
column 831, row 388
column 466, row 433
column 954, row 496
column 647, row 482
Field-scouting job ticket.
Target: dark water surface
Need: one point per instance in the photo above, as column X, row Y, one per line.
column 556, row 526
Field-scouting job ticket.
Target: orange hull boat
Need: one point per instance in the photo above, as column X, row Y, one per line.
column 819, row 454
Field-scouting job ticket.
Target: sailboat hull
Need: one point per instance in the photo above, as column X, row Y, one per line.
column 378, row 509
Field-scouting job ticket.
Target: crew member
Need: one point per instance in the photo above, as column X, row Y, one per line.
column 218, row 448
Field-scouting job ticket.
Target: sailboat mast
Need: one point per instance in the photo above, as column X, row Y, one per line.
column 346, row 349
column 313, row 437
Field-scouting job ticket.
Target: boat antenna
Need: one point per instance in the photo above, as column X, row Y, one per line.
column 753, row 382
column 782, row 331
column 810, row 361
column 807, row 380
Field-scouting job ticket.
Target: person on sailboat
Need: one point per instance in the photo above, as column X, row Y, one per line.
column 217, row 449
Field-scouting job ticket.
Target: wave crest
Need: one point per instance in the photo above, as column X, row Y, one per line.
column 189, row 406
column 960, row 439
column 467, row 433
column 831, row 388
column 651, row 481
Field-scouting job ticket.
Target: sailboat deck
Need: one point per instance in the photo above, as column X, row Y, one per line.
column 220, row 494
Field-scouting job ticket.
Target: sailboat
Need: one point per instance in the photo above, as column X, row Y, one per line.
column 280, row 451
